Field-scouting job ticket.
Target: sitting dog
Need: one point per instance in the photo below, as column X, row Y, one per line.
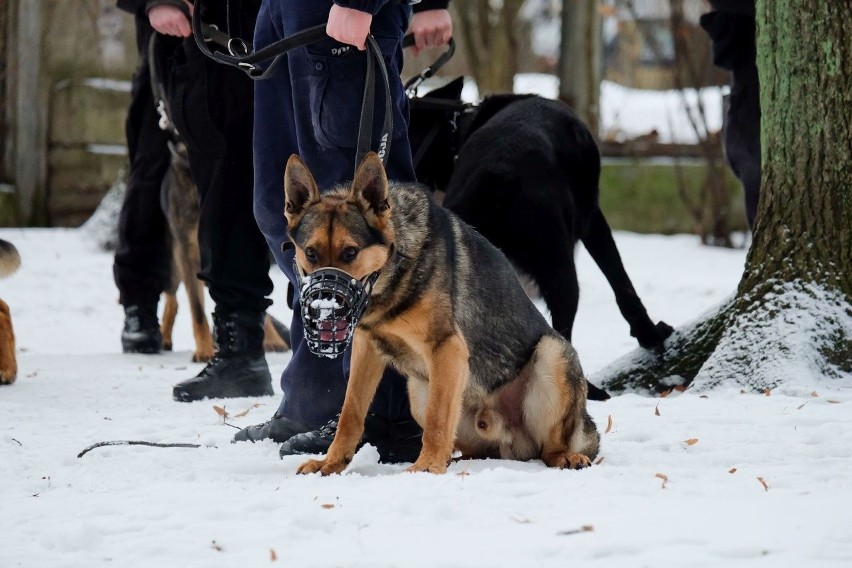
column 523, row 171
column 10, row 261
column 415, row 287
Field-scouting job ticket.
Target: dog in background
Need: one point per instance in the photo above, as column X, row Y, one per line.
column 487, row 374
column 180, row 203
column 524, row 171
column 10, row 261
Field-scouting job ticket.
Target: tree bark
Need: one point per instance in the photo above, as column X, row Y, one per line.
column 489, row 32
column 791, row 315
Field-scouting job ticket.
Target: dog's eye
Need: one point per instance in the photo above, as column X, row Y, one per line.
column 311, row 255
column 348, row 254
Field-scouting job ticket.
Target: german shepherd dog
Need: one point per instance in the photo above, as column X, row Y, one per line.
column 486, row 373
column 523, row 171
column 10, row 261
column 180, row 203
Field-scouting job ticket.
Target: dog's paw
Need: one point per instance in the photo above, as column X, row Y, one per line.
column 8, row 376
column 324, row 467
column 428, row 466
column 567, row 460
column 654, row 336
column 202, row 356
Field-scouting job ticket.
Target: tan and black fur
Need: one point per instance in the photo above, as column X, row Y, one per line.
column 10, row 261
column 486, row 373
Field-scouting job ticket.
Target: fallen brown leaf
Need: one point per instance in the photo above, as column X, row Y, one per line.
column 272, row 556
column 657, row 410
column 763, row 482
column 664, row 477
column 732, row 470
column 247, row 410
column 599, row 461
column 220, row 411
column 608, row 424
column 767, row 392
column 814, row 394
column 691, row 441
column 328, row 505
column 463, row 474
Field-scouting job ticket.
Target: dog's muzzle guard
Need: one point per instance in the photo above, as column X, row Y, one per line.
column 332, row 303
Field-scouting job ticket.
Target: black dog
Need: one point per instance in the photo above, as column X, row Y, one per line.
column 524, row 170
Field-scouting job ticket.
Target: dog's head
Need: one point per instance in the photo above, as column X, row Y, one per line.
column 342, row 239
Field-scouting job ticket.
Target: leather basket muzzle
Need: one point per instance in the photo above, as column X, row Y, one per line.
column 332, row 302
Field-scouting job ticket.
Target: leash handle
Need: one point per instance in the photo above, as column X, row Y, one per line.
column 412, row 84
column 239, row 55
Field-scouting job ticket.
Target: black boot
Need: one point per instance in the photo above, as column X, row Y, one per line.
column 141, row 333
column 396, row 442
column 278, row 429
column 239, row 367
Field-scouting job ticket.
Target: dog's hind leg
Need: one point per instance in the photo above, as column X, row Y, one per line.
column 561, row 293
column 169, row 313
column 189, row 260
column 8, row 363
column 601, row 246
column 555, row 407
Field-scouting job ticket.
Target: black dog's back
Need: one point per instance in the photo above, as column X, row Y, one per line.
column 526, row 177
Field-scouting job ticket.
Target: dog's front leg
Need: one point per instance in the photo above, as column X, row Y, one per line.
column 366, row 372
column 448, row 370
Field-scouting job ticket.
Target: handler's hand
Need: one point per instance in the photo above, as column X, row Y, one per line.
column 349, row 26
column 431, row 28
column 169, row 20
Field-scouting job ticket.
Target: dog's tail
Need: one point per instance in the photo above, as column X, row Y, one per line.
column 10, row 260
column 601, row 246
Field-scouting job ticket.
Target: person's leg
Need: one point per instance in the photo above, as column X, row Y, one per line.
column 213, row 110
column 141, row 263
column 308, row 108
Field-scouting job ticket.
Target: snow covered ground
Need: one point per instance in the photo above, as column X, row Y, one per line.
column 712, row 479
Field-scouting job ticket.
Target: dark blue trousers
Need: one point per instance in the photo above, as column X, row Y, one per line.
column 311, row 107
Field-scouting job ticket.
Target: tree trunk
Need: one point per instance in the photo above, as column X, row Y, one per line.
column 580, row 60
column 489, row 32
column 791, row 317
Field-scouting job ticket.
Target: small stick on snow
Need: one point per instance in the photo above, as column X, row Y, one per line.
column 135, row 443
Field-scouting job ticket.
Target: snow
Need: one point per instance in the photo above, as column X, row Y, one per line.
column 679, row 484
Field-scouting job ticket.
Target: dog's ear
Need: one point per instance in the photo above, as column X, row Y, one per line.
column 300, row 189
column 451, row 91
column 370, row 186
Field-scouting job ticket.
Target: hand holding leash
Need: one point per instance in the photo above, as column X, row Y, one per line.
column 349, row 26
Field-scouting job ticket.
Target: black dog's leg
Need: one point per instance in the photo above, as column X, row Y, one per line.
column 561, row 293
column 601, row 246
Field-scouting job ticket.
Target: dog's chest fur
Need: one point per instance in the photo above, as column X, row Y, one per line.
column 445, row 279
